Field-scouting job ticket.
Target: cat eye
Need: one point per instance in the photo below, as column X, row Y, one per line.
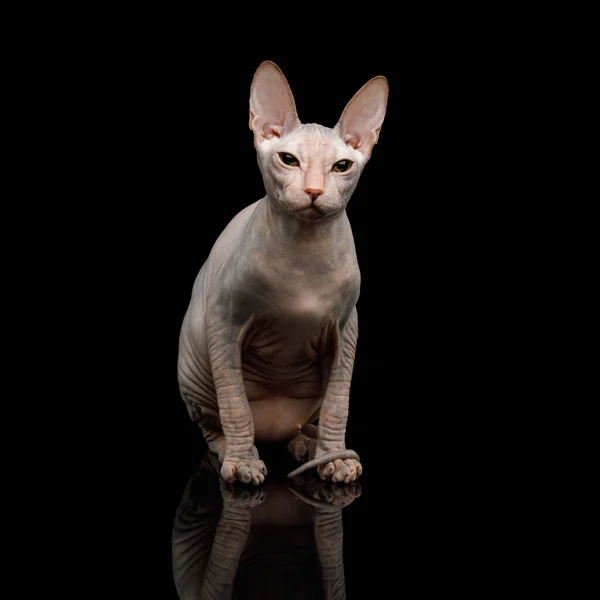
column 289, row 159
column 341, row 166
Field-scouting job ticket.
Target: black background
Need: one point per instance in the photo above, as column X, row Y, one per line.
column 173, row 161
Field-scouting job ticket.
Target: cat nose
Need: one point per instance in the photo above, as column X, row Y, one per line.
column 314, row 193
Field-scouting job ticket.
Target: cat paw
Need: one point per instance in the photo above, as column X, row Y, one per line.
column 340, row 471
column 244, row 470
column 242, row 497
column 302, row 447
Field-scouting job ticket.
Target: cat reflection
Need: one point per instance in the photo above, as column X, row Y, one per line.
column 281, row 540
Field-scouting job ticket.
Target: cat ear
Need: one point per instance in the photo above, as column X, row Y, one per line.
column 363, row 116
column 272, row 106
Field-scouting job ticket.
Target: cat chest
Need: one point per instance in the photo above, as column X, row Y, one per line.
column 290, row 338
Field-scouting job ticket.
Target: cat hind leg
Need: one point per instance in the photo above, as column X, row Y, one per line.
column 303, row 445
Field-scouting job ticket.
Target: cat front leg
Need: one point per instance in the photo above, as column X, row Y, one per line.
column 334, row 413
column 240, row 460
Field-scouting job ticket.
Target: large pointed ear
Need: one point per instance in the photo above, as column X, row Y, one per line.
column 363, row 116
column 272, row 107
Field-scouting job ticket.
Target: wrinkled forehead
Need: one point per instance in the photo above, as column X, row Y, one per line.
column 312, row 140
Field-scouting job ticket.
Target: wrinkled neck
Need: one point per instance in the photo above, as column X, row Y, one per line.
column 286, row 228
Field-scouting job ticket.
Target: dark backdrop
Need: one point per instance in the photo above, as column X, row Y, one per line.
column 174, row 162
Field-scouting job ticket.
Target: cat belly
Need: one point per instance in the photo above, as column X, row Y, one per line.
column 282, row 405
column 284, row 383
column 279, row 418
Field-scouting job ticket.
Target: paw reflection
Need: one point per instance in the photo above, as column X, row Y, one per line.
column 281, row 540
column 338, row 494
column 242, row 497
column 320, row 493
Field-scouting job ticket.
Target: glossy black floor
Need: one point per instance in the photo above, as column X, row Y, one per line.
column 305, row 538
column 284, row 539
column 437, row 222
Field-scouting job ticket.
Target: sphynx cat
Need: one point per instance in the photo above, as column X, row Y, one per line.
column 268, row 341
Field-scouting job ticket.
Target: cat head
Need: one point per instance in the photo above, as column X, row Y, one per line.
column 309, row 170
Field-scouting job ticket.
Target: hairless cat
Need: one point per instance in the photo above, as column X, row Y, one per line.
column 268, row 341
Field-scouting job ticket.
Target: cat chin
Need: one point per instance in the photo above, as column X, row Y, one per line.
column 310, row 214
